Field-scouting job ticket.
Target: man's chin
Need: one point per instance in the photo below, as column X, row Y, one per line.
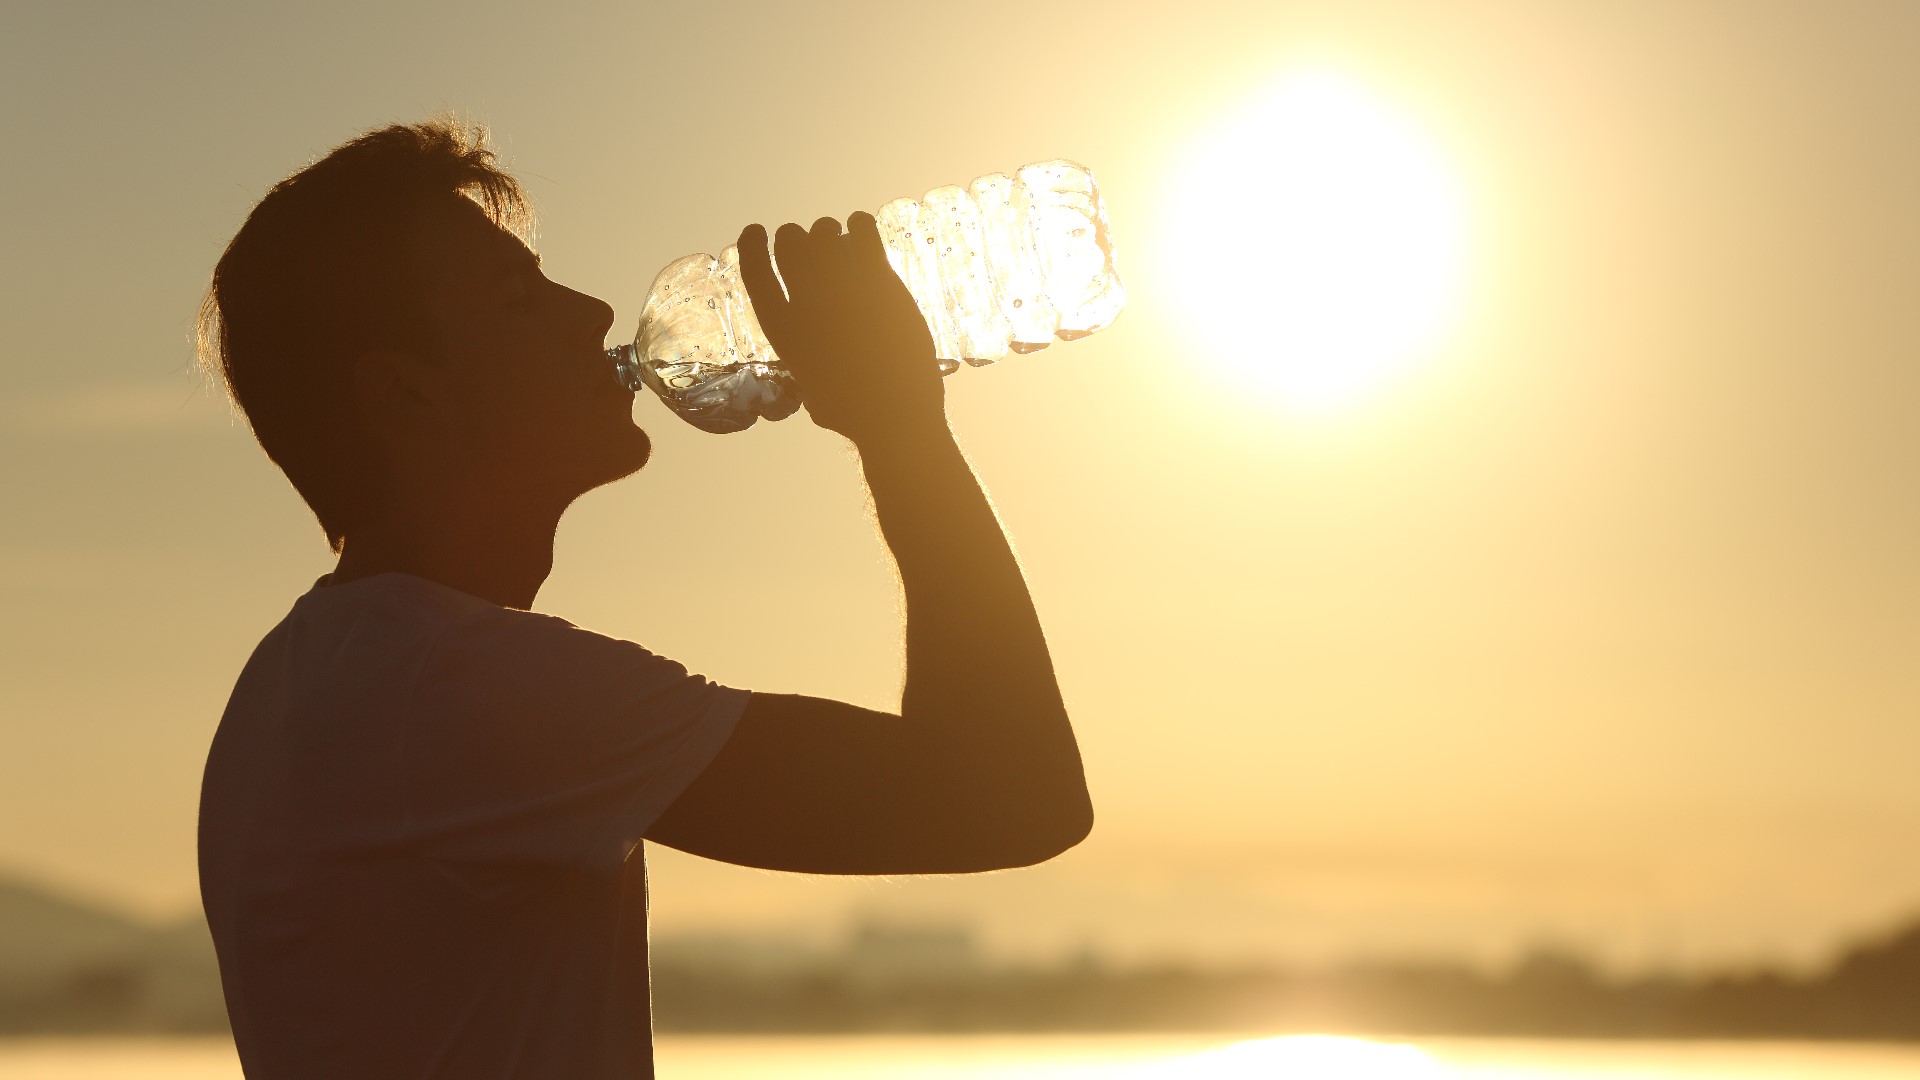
column 610, row 463
column 639, row 452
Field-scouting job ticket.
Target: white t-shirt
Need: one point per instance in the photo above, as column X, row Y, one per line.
column 415, row 836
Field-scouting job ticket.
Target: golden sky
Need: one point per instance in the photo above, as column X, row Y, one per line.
column 1598, row 623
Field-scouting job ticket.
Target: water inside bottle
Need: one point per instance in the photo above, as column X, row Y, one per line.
column 715, row 397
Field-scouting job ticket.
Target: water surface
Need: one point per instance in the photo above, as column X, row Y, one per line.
column 1092, row 1057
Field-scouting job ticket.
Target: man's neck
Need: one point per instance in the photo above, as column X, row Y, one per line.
column 495, row 553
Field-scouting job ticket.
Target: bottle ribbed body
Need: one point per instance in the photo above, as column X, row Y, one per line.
column 1007, row 264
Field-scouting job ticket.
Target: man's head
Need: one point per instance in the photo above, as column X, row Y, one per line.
column 385, row 327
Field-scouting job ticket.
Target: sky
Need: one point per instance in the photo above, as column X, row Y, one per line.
column 1594, row 622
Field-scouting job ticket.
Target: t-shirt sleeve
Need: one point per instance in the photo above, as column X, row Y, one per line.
column 532, row 741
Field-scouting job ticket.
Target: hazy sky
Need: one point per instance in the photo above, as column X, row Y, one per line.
column 1598, row 625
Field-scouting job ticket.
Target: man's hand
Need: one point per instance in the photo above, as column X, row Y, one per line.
column 846, row 327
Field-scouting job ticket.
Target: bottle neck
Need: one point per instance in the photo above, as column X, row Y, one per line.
column 626, row 366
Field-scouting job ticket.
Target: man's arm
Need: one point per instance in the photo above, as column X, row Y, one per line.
column 980, row 769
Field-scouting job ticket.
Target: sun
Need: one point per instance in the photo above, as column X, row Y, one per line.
column 1320, row 241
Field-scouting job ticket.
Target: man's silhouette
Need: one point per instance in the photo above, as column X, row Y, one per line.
column 420, row 820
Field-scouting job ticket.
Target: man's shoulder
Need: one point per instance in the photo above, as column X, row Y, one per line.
column 358, row 639
column 445, row 650
column 392, row 613
column 392, row 591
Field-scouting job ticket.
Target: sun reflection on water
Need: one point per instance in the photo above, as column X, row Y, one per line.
column 1309, row 1057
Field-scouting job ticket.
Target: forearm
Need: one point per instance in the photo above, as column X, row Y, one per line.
column 977, row 661
column 979, row 771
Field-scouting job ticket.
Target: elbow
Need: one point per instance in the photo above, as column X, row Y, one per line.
column 1077, row 824
column 1076, row 829
column 1024, row 813
column 1051, row 831
column 999, row 835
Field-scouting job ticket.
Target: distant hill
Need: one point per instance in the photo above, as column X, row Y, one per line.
column 71, row 966
column 42, row 934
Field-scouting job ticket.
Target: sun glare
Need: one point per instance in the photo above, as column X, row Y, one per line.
column 1316, row 1057
column 1320, row 240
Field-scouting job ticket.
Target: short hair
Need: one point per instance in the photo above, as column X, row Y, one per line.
column 316, row 276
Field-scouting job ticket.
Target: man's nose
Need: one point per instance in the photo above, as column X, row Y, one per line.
column 598, row 312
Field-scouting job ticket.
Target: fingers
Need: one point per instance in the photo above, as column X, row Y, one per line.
column 815, row 264
column 795, row 255
column 864, row 245
column 769, row 300
column 827, row 248
column 863, row 236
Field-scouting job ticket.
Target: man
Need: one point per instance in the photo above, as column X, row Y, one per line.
column 421, row 815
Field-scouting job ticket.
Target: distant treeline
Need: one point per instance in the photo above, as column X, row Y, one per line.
column 73, row 968
column 1870, row 992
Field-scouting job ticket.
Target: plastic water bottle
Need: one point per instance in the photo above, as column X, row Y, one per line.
column 1004, row 265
